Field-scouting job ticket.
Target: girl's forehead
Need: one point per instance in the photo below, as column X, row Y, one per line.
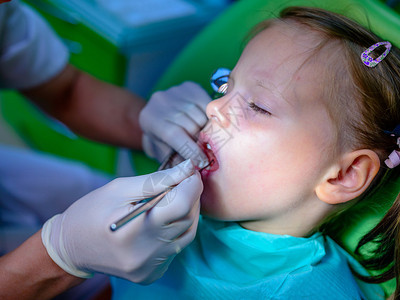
column 283, row 42
column 282, row 58
column 281, row 50
column 297, row 33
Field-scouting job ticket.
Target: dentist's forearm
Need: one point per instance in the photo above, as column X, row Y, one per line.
column 92, row 108
column 29, row 273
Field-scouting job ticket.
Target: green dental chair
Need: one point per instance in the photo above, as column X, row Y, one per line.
column 220, row 45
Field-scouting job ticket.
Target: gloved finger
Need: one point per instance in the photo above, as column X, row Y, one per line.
column 160, row 266
column 190, row 115
column 174, row 230
column 191, row 150
column 186, row 123
column 186, row 195
column 194, row 92
column 175, row 96
column 179, row 140
column 131, row 189
column 191, row 230
column 155, row 148
column 153, row 184
column 185, row 146
column 197, row 114
column 184, row 239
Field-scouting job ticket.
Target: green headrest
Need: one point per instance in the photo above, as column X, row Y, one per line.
column 220, row 45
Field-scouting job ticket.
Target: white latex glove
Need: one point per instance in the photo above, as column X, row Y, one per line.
column 172, row 119
column 81, row 242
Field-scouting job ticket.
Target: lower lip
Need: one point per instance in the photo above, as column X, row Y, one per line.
column 205, row 173
column 213, row 166
column 210, row 169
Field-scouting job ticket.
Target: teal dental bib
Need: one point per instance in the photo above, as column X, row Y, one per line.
column 226, row 261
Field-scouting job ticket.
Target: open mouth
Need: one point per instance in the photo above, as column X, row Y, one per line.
column 207, row 149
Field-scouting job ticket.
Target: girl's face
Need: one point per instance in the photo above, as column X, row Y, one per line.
column 271, row 135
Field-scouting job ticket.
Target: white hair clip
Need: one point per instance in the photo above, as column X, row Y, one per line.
column 370, row 61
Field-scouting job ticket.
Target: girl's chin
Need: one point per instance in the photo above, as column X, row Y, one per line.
column 212, row 199
column 216, row 215
column 209, row 208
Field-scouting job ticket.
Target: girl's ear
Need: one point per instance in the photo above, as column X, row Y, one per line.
column 349, row 178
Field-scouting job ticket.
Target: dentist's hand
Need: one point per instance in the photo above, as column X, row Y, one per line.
column 172, row 119
column 81, row 242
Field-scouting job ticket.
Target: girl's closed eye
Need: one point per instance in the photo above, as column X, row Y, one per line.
column 224, row 89
column 258, row 109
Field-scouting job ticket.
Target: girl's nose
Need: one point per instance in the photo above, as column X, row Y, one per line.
column 217, row 111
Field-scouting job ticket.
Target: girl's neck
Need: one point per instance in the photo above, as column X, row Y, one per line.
column 301, row 222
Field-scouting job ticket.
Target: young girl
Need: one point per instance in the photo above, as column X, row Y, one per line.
column 298, row 137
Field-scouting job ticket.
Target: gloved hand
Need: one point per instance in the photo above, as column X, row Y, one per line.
column 80, row 241
column 172, row 119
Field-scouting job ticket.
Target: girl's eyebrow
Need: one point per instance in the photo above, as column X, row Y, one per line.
column 268, row 86
column 277, row 96
column 261, row 83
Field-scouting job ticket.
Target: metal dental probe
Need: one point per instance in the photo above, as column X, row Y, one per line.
column 149, row 202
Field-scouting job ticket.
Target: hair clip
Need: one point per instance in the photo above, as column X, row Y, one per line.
column 393, row 160
column 371, row 62
column 219, row 80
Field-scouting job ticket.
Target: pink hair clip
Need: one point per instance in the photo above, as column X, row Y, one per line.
column 394, row 157
column 371, row 62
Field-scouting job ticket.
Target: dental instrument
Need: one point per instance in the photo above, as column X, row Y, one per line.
column 151, row 201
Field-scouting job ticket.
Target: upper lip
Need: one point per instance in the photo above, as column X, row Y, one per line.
column 205, row 139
